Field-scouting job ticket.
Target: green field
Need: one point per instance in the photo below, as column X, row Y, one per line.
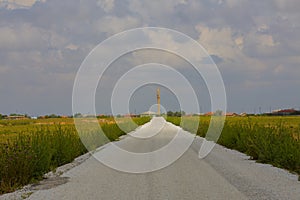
column 272, row 140
column 30, row 148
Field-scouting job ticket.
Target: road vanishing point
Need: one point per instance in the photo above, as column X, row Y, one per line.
column 223, row 174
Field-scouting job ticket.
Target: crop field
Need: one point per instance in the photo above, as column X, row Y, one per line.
column 272, row 140
column 30, row 148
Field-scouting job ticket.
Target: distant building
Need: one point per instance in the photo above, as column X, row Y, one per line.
column 17, row 117
column 148, row 114
column 285, row 112
column 231, row 114
column 228, row 114
column 209, row 114
column 130, row 115
column 244, row 114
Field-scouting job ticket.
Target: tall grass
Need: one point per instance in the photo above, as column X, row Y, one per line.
column 33, row 152
column 29, row 156
column 276, row 143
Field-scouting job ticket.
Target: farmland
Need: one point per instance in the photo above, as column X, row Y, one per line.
column 30, row 148
column 272, row 140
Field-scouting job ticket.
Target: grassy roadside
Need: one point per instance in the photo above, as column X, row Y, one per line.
column 27, row 154
column 272, row 140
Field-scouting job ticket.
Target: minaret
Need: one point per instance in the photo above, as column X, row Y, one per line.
column 158, row 100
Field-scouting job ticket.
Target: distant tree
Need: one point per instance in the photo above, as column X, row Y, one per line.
column 170, row 113
column 175, row 114
column 52, row 116
column 16, row 114
column 77, row 115
column 218, row 113
column 103, row 116
column 182, row 113
column 55, row 116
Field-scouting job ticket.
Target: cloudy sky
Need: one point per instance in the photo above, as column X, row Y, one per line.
column 255, row 44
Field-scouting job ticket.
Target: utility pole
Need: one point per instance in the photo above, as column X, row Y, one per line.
column 158, row 100
column 259, row 110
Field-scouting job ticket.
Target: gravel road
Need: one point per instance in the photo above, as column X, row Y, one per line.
column 223, row 174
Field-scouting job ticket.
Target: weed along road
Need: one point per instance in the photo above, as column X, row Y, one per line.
column 223, row 174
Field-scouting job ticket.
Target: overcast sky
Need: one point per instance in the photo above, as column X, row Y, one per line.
column 255, row 44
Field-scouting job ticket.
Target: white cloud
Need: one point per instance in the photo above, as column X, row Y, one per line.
column 239, row 41
column 261, row 45
column 219, row 41
column 156, row 9
column 168, row 43
column 266, row 40
column 72, row 47
column 263, row 28
column 24, row 36
column 3, row 69
column 284, row 5
column 15, row 4
column 181, row 2
column 229, row 45
column 112, row 24
column 256, row 84
column 234, row 3
column 106, row 5
column 163, row 38
column 278, row 69
column 156, row 56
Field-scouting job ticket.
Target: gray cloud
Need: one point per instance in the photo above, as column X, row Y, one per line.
column 256, row 45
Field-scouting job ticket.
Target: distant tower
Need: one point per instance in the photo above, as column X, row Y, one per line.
column 158, row 100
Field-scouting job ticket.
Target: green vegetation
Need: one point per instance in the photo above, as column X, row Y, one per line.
column 272, row 140
column 2, row 116
column 30, row 148
column 175, row 114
